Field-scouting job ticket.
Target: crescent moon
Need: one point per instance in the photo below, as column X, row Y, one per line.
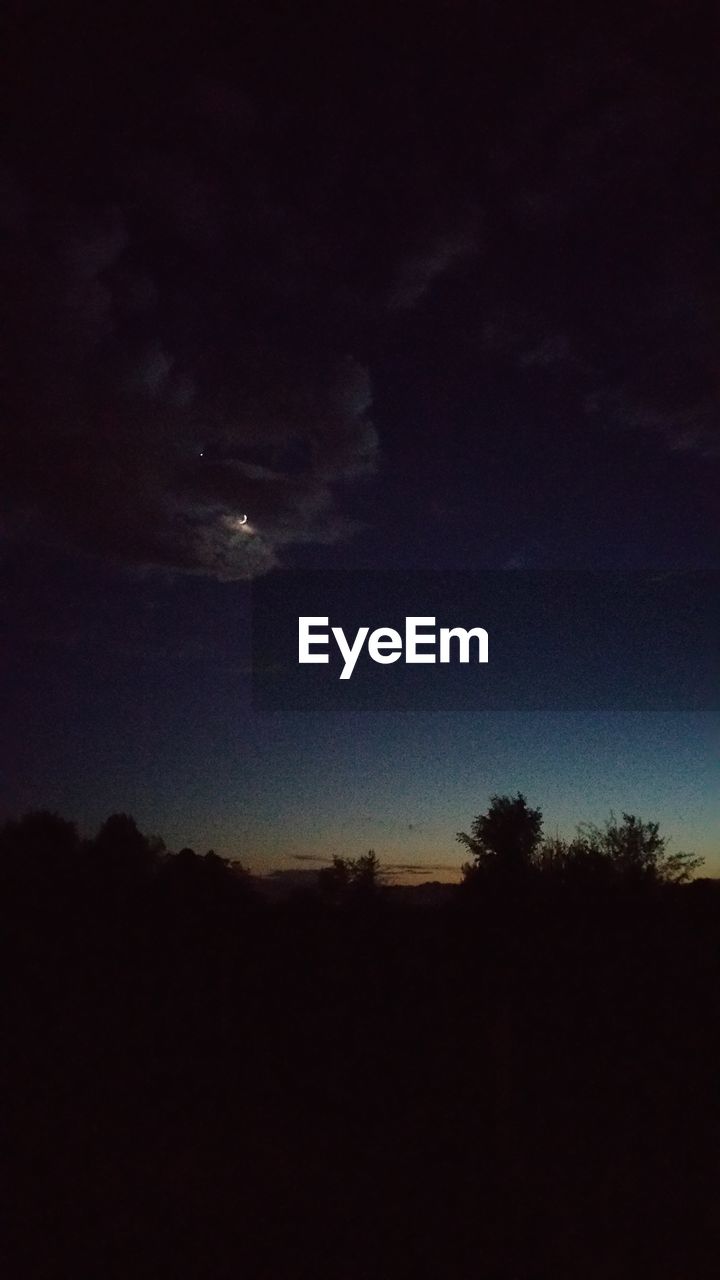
column 243, row 519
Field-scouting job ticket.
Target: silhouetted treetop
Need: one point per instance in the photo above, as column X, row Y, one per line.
column 506, row 838
column 41, row 834
column 350, row 876
column 635, row 851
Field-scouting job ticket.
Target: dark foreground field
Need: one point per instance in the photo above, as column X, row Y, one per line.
column 513, row 1085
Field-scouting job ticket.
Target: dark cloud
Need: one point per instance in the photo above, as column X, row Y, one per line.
column 419, row 272
column 169, row 369
column 601, row 262
column 205, row 280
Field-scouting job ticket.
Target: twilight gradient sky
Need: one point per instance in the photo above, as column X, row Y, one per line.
column 439, row 297
column 137, row 697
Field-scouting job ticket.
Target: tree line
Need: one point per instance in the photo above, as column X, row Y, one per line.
column 508, row 841
column 506, row 844
column 517, row 1083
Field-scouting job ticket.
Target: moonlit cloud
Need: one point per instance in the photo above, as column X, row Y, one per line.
column 195, row 332
column 158, row 413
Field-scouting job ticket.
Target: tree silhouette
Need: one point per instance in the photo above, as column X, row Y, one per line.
column 122, row 852
column 365, row 873
column 350, row 876
column 635, row 851
column 627, row 852
column 42, row 836
column 40, row 855
column 333, row 881
column 155, row 1002
column 505, row 839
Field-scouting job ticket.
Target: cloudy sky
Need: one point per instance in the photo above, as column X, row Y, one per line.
column 346, row 289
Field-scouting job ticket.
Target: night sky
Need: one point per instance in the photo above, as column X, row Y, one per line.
column 417, row 291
